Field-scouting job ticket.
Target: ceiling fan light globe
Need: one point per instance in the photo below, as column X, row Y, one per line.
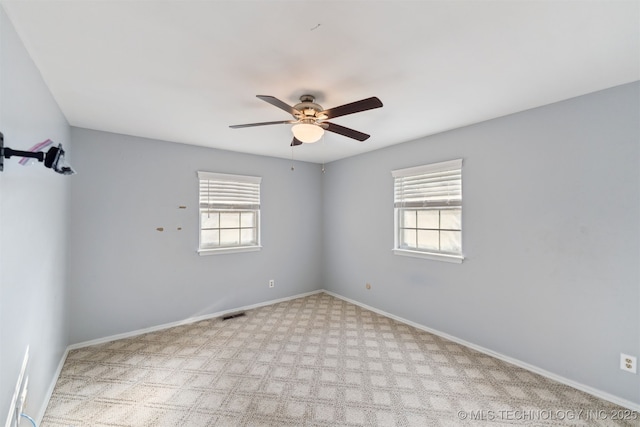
column 307, row 133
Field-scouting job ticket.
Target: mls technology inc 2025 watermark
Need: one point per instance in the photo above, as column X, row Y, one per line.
column 549, row 415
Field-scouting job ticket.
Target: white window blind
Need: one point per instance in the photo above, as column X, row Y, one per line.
column 229, row 213
column 225, row 191
column 434, row 185
column 428, row 211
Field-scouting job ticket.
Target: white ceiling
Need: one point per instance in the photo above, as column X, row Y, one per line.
column 185, row 70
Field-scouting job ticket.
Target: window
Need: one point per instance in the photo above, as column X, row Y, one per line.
column 428, row 211
column 229, row 213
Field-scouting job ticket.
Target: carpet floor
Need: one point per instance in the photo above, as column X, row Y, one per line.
column 312, row 361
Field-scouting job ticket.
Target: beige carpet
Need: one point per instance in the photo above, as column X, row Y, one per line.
column 313, row 361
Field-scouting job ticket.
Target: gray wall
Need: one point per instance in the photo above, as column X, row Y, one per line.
column 550, row 233
column 33, row 229
column 125, row 275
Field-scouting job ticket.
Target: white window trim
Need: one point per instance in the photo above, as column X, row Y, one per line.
column 417, row 170
column 205, row 252
column 433, row 167
column 429, row 255
column 213, row 176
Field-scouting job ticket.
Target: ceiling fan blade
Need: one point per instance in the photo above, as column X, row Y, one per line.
column 248, row 125
column 280, row 104
column 295, row 142
column 354, row 107
column 332, row 127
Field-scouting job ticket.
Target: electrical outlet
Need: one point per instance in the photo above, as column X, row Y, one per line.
column 272, row 283
column 628, row 363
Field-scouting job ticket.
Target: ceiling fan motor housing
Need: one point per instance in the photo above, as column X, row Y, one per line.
column 309, row 109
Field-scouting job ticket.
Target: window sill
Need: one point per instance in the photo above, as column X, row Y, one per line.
column 430, row 255
column 204, row 252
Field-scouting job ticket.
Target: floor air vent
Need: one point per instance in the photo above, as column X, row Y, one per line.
column 231, row 316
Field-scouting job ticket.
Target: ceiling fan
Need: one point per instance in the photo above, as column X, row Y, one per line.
column 309, row 119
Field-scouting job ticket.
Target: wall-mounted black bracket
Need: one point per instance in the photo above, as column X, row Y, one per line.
column 53, row 158
column 6, row 153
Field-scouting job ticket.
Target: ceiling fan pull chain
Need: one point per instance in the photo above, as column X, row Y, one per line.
column 324, row 148
column 292, row 168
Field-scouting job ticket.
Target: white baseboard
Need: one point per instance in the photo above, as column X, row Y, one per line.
column 587, row 389
column 186, row 321
column 52, row 386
